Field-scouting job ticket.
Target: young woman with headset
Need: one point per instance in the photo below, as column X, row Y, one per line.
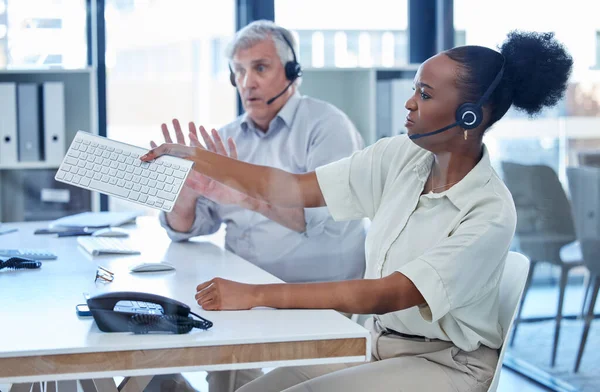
column 442, row 224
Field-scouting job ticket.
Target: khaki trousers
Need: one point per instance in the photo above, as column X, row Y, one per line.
column 398, row 364
column 221, row 381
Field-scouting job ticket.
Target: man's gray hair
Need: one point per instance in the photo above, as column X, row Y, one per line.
column 261, row 30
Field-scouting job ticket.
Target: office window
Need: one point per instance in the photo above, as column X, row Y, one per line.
column 335, row 34
column 40, row 34
column 582, row 100
column 166, row 59
column 558, row 138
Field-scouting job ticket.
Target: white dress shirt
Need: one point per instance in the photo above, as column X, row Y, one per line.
column 305, row 134
column 452, row 245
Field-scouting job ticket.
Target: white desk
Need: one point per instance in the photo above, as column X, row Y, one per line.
column 41, row 337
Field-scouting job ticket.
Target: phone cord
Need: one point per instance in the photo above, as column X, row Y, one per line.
column 16, row 263
column 145, row 323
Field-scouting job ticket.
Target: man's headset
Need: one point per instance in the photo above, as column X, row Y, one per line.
column 469, row 115
column 293, row 70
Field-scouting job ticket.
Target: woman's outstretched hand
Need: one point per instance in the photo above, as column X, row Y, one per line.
column 197, row 183
column 223, row 294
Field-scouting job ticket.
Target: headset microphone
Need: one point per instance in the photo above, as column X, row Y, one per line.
column 469, row 115
column 270, row 101
column 420, row 135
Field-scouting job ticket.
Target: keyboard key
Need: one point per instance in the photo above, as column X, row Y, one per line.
column 108, row 188
column 166, row 195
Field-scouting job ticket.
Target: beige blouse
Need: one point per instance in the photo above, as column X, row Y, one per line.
column 451, row 245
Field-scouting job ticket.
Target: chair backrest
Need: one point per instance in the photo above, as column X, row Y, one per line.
column 584, row 184
column 544, row 217
column 512, row 284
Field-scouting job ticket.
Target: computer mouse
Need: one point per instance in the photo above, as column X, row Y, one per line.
column 152, row 267
column 111, row 232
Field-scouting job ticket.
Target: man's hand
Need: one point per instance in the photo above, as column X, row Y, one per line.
column 223, row 294
column 197, row 184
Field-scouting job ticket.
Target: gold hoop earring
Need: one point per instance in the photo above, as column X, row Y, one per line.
column 465, row 134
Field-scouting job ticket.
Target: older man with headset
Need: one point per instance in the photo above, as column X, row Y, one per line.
column 280, row 128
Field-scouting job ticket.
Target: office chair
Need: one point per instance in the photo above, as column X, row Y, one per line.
column 584, row 184
column 544, row 228
column 512, row 286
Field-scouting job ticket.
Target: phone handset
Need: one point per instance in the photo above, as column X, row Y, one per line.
column 127, row 311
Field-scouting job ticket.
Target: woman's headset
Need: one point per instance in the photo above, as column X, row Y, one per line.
column 469, row 115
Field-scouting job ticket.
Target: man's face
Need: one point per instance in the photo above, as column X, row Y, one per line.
column 259, row 76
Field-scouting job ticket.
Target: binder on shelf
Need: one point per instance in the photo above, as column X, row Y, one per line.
column 29, row 121
column 8, row 124
column 53, row 104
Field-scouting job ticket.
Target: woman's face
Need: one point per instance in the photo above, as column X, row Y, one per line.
column 434, row 103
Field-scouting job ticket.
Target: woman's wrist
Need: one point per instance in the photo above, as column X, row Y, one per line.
column 257, row 295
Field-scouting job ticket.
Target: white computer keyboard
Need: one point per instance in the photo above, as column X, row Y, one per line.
column 106, row 245
column 114, row 168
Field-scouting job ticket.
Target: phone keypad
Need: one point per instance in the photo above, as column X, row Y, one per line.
column 138, row 307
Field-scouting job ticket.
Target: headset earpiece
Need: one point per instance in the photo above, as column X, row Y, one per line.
column 293, row 70
column 469, row 115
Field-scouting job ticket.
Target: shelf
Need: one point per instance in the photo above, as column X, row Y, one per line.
column 30, row 165
column 23, row 185
column 43, row 71
column 359, row 92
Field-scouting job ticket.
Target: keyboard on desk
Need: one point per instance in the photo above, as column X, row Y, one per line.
column 106, row 245
column 114, row 168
